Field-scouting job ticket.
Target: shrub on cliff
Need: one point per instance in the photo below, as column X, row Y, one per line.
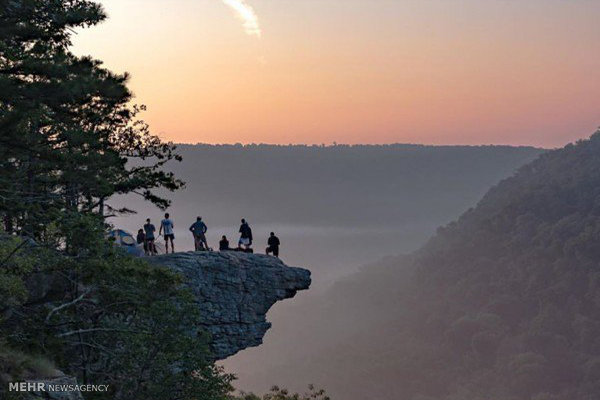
column 108, row 318
column 278, row 393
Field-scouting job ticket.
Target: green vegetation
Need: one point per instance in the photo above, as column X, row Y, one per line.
column 69, row 141
column 513, row 285
column 110, row 318
column 68, row 132
column 15, row 366
column 68, row 136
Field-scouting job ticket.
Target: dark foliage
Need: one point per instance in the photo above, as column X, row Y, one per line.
column 66, row 128
column 67, row 136
column 106, row 318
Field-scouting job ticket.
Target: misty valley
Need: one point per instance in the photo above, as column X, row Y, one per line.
column 299, row 200
column 344, row 212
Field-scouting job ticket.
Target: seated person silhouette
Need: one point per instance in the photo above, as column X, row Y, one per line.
column 224, row 244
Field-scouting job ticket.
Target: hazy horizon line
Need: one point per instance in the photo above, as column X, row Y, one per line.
column 334, row 144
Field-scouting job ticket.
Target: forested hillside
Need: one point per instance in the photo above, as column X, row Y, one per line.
column 503, row 304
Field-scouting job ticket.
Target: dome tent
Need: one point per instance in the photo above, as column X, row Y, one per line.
column 127, row 242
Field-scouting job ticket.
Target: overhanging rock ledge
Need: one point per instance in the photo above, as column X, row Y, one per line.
column 234, row 291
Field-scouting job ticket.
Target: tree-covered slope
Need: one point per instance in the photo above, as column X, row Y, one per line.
column 503, row 304
column 510, row 293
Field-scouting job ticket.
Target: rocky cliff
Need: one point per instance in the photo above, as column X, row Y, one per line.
column 234, row 292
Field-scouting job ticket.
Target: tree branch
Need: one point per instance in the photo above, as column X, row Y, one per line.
column 71, row 333
column 63, row 306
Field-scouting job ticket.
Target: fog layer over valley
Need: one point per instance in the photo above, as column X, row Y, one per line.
column 334, row 208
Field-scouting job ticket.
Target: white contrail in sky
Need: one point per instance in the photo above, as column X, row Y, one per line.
column 246, row 13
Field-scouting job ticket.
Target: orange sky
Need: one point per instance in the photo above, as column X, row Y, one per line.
column 358, row 71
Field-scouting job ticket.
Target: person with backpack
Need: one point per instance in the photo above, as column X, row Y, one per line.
column 199, row 229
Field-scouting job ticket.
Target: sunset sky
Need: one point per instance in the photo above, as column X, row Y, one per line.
column 358, row 71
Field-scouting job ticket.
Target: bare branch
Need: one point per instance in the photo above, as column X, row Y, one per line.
column 63, row 306
column 71, row 333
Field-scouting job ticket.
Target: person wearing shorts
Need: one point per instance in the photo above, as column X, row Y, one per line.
column 149, row 230
column 245, row 235
column 166, row 229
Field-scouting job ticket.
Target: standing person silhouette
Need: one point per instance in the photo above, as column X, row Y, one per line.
column 245, row 235
column 273, row 243
column 149, row 230
column 199, row 229
column 141, row 239
column 167, row 226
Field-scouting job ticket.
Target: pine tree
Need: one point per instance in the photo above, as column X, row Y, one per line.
column 69, row 140
column 68, row 134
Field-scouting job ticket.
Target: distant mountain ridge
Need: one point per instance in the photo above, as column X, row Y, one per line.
column 358, row 182
column 503, row 304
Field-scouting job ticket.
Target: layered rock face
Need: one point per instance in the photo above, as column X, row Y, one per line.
column 234, row 292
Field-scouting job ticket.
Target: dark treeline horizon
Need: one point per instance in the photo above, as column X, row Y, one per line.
column 338, row 185
column 334, row 145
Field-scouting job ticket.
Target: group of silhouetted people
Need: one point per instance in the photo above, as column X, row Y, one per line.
column 146, row 237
